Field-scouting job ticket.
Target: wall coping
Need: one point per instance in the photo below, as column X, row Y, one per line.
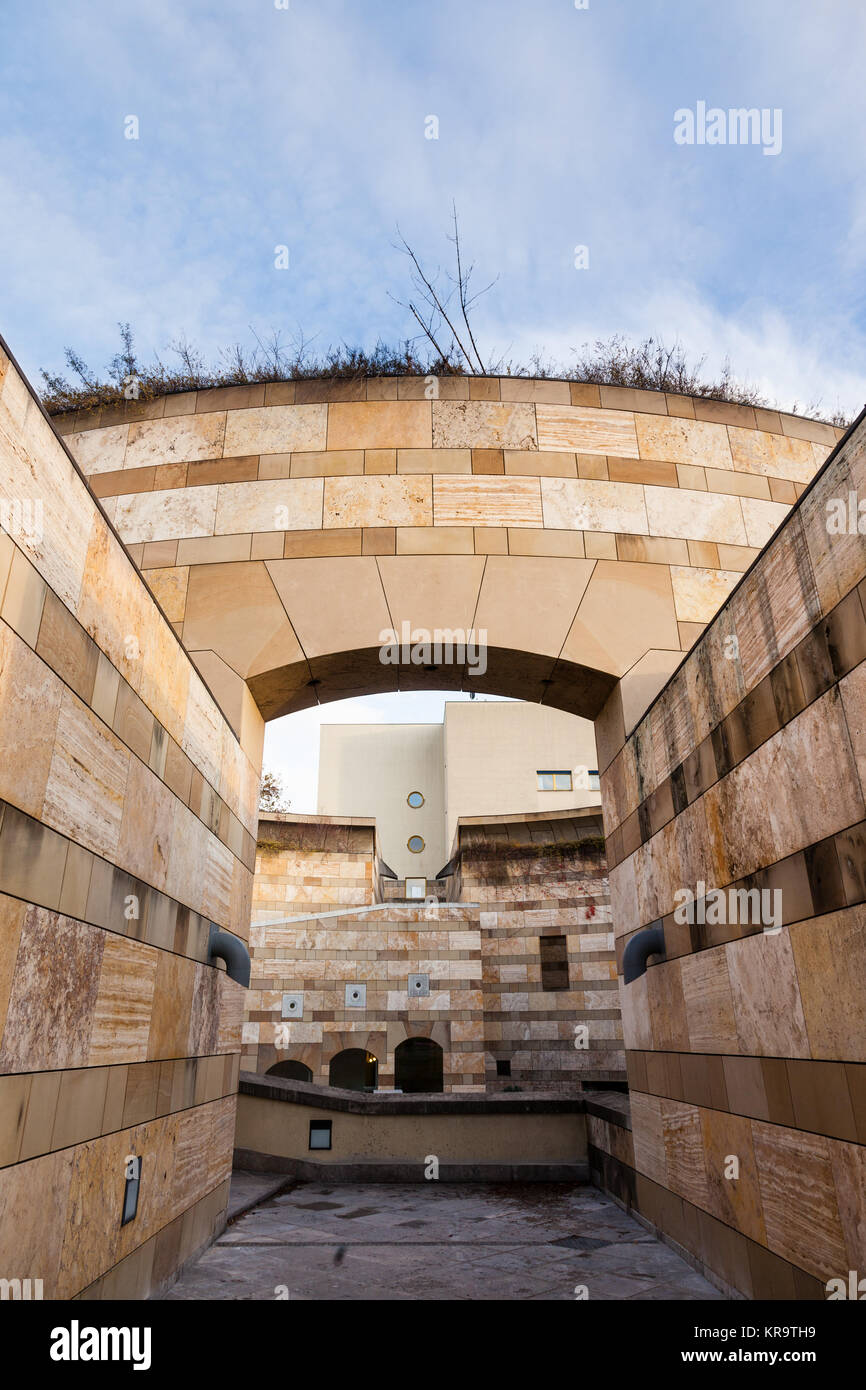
column 292, row 1092
column 587, row 813
column 353, row 390
column 298, row 818
column 517, row 817
column 613, row 1106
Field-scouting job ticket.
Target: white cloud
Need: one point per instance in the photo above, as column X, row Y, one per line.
column 305, row 127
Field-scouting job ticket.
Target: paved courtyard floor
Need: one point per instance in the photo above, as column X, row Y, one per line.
column 430, row 1241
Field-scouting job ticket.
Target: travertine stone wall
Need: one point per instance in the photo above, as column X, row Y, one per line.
column 307, row 869
column 590, row 531
column 127, row 825
column 481, row 952
column 749, row 771
column 536, row 876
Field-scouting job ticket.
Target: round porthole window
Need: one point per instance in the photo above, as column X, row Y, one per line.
column 415, row 799
column 415, row 843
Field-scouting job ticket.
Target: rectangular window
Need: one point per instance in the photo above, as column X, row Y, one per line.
column 320, row 1134
column 554, row 962
column 503, row 1068
column 416, row 887
column 594, row 780
column 558, row 781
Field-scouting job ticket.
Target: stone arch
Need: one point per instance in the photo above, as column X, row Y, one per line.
column 590, row 532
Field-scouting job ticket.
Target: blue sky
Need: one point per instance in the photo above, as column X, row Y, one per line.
column 305, row 127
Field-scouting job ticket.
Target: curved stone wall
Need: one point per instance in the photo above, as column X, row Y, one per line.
column 591, row 532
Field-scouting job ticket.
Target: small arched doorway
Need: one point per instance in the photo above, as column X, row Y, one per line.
column 293, row 1071
column 354, row 1069
column 418, row 1065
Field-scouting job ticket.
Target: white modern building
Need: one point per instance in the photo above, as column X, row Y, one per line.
column 496, row 758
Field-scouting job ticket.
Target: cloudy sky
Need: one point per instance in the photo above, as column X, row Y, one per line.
column 304, row 126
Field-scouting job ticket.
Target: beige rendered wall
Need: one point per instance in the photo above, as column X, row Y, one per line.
column 493, row 750
column 482, row 760
column 275, row 1127
column 127, row 825
column 370, row 769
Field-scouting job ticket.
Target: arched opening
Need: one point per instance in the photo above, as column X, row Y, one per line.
column 418, row 1065
column 293, row 1071
column 354, row 1069
column 510, row 671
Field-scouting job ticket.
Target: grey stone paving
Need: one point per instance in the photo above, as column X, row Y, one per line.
column 429, row 1241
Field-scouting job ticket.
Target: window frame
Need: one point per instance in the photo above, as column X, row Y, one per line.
column 554, row 772
column 322, row 1127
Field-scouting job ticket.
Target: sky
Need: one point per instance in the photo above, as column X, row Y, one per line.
column 304, row 124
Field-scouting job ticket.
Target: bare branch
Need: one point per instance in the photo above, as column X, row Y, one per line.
column 437, row 301
column 462, row 285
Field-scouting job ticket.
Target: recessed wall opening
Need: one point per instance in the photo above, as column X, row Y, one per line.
column 292, row 1071
column 554, row 962
column 354, row 1069
column 418, row 1065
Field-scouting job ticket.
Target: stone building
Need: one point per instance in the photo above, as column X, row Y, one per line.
column 659, row 564
column 506, row 977
column 486, row 757
column 510, row 978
